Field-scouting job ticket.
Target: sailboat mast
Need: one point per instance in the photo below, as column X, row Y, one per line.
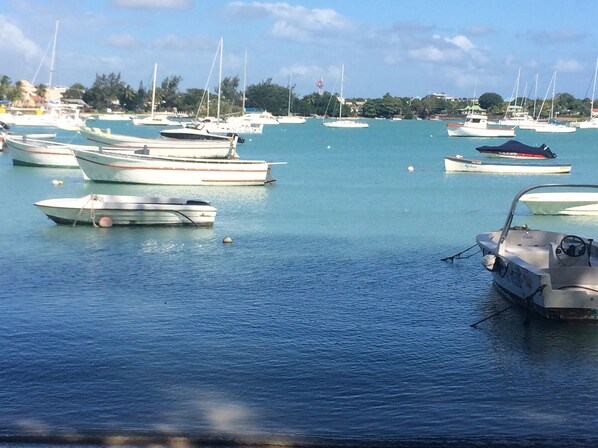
column 553, row 92
column 244, row 82
column 593, row 91
column 289, row 108
column 341, row 100
column 53, row 55
column 154, row 89
column 220, row 79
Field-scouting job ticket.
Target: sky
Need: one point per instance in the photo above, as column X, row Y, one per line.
column 403, row 48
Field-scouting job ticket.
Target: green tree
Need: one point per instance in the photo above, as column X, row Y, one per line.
column 75, row 91
column 492, row 102
column 268, row 96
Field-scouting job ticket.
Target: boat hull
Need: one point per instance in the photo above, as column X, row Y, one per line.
column 461, row 130
column 561, row 203
column 461, row 165
column 129, row 211
column 101, row 166
column 39, row 153
column 345, row 124
column 527, row 271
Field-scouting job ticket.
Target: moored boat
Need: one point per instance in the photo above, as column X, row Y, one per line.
column 476, row 125
column 121, row 210
column 221, row 148
column 42, row 153
column 462, row 165
column 552, row 274
column 561, row 202
column 126, row 167
column 517, row 150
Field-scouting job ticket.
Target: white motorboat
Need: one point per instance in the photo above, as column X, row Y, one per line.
column 42, row 153
column 194, row 131
column 476, row 125
column 461, row 165
column 106, row 210
column 561, row 202
column 221, row 148
column 127, row 167
column 552, row 274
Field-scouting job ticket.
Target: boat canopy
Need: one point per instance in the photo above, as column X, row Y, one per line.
column 513, row 146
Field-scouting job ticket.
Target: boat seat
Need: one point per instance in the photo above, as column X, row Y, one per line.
column 535, row 255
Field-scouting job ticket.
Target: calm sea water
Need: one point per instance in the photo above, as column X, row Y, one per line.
column 330, row 319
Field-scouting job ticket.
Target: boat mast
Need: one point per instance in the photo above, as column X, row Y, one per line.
column 593, row 91
column 244, row 82
column 220, row 79
column 289, row 108
column 340, row 99
column 154, row 89
column 53, row 56
column 553, row 91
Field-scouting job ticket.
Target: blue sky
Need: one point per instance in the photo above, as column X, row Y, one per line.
column 405, row 48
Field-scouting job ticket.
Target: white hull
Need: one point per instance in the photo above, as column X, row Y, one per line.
column 554, row 275
column 561, row 203
column 40, row 153
column 291, row 120
column 460, row 130
column 154, row 121
column 591, row 124
column 456, row 164
column 129, row 210
column 345, row 124
column 139, row 169
column 223, row 148
column 554, row 129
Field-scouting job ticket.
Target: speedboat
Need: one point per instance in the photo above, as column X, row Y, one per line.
column 513, row 149
column 458, row 164
column 476, row 125
column 103, row 210
column 551, row 274
column 562, row 202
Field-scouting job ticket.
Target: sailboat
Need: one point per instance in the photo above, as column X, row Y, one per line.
column 592, row 123
column 55, row 114
column 340, row 123
column 552, row 126
column 291, row 119
column 154, row 120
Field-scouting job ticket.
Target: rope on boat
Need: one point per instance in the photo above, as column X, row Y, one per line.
column 92, row 211
column 460, row 256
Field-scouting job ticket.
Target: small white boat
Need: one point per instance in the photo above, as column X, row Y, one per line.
column 460, row 165
column 42, row 153
column 127, row 167
column 561, row 202
column 106, row 210
column 476, row 125
column 222, row 148
column 340, row 122
column 552, row 274
column 291, row 119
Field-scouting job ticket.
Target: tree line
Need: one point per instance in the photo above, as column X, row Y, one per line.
column 110, row 91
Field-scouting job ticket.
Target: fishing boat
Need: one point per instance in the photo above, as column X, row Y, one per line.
column 225, row 147
column 517, row 150
column 551, row 274
column 476, row 125
column 459, row 164
column 119, row 210
column 562, row 202
column 42, row 153
column 127, row 167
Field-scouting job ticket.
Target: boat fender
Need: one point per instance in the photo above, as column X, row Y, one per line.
column 488, row 261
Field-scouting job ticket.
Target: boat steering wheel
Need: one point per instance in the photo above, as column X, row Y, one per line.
column 571, row 246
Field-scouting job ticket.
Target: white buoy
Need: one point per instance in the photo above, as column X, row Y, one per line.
column 328, row 147
column 410, row 168
column 105, row 222
column 227, row 240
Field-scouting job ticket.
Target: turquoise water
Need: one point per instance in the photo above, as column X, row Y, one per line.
column 330, row 319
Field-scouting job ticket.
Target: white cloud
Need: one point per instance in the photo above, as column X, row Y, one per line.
column 461, row 42
column 14, row 42
column 123, row 41
column 153, row 4
column 570, row 66
column 293, row 22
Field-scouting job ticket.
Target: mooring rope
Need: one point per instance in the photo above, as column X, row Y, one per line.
column 460, row 256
